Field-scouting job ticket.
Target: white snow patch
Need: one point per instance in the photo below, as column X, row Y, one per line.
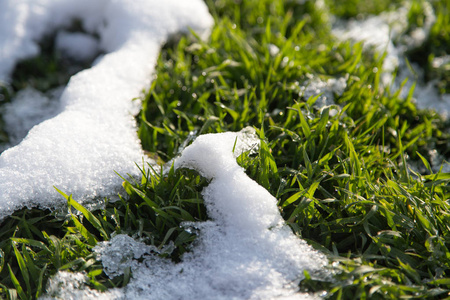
column 72, row 286
column 380, row 32
column 94, row 135
column 441, row 61
column 437, row 161
column 327, row 90
column 246, row 251
column 428, row 97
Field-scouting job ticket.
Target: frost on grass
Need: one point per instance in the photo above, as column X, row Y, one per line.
column 94, row 134
column 245, row 250
column 387, row 32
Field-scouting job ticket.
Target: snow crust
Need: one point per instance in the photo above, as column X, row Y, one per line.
column 246, row 251
column 94, row 134
column 387, row 32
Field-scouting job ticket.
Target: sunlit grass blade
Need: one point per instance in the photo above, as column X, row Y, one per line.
column 86, row 213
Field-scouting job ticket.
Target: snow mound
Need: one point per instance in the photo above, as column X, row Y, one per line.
column 246, row 251
column 94, row 134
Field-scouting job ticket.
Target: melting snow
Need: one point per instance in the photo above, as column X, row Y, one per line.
column 94, row 134
column 71, row 286
column 380, row 32
column 246, row 251
column 325, row 89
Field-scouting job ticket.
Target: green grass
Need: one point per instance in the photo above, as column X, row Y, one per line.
column 344, row 181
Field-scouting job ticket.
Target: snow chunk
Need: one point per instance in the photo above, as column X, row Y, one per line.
column 121, row 253
column 246, row 251
column 94, row 135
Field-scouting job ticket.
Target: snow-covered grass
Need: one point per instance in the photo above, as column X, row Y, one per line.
column 359, row 179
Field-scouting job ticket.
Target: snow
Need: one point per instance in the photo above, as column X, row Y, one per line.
column 29, row 108
column 388, row 32
column 94, row 133
column 439, row 62
column 68, row 44
column 76, row 141
column 71, row 286
column 245, row 251
column 23, row 23
column 376, row 33
column 325, row 89
column 379, row 33
column 437, row 161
